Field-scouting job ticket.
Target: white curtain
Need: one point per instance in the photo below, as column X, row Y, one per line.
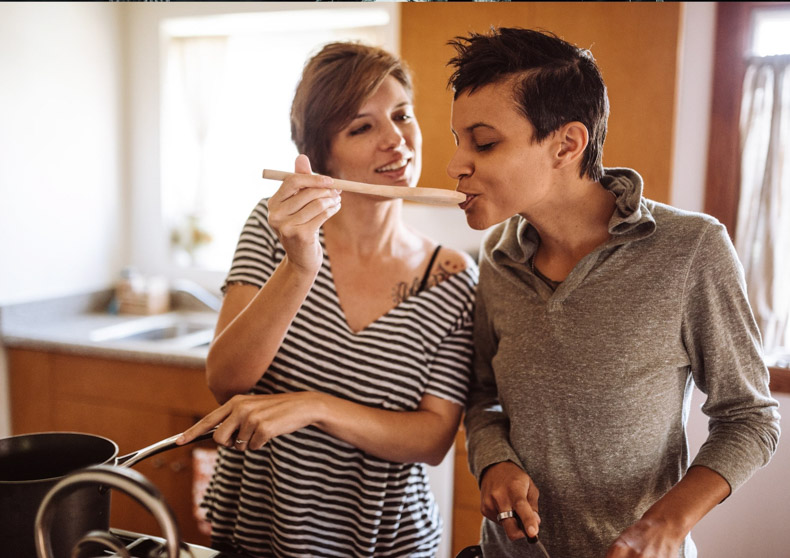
column 762, row 236
column 201, row 60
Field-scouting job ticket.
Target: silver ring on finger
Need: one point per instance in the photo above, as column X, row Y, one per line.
column 505, row 515
column 240, row 442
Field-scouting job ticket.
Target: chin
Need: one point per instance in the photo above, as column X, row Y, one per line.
column 476, row 222
column 481, row 221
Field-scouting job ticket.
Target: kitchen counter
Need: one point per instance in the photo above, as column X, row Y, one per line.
column 80, row 324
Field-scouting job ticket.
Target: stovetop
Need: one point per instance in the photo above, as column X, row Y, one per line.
column 140, row 546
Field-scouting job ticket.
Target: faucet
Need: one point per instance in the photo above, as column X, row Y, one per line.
column 197, row 292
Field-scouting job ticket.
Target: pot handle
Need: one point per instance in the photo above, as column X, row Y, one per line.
column 127, row 480
column 109, row 541
column 163, row 445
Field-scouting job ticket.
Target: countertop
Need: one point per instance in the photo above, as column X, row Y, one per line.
column 80, row 324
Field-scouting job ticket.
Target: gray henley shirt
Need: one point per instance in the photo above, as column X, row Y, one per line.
column 587, row 387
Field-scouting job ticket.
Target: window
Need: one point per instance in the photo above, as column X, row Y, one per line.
column 227, row 87
column 762, row 237
column 769, row 32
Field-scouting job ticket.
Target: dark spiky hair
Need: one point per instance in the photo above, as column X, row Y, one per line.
column 555, row 82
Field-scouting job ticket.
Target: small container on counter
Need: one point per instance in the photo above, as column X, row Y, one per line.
column 137, row 294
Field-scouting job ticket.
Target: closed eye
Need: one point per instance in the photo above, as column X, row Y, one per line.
column 485, row 146
column 360, row 130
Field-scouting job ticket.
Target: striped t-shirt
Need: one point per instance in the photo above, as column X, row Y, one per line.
column 308, row 493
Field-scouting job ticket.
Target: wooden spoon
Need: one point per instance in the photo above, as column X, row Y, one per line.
column 433, row 196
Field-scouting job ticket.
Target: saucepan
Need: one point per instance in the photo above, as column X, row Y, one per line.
column 31, row 464
column 477, row 551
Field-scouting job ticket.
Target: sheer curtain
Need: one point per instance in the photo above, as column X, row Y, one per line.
column 762, row 236
column 196, row 67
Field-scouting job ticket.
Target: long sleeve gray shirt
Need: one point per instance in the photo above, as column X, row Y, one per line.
column 587, row 388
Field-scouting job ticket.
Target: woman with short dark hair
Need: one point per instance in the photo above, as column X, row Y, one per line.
column 597, row 312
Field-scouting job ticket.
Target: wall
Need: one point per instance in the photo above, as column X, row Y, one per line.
column 61, row 191
column 60, row 178
column 692, row 116
column 637, row 49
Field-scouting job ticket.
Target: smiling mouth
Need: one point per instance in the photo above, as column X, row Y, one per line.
column 397, row 165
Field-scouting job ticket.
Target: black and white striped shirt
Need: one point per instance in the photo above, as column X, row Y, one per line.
column 308, row 493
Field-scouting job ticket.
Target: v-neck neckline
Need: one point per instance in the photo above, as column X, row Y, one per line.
column 336, row 296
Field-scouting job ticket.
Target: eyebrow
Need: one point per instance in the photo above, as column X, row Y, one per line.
column 476, row 125
column 473, row 127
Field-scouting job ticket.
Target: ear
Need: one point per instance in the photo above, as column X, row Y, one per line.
column 571, row 141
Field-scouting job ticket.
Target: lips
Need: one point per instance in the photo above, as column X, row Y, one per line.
column 467, row 202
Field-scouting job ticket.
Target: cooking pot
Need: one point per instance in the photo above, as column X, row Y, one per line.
column 31, row 464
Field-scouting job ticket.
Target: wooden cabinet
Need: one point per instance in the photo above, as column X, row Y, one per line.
column 466, row 500
column 134, row 404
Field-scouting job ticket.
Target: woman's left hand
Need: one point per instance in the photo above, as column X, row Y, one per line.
column 249, row 421
column 647, row 538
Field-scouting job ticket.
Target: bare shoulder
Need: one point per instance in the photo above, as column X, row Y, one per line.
column 458, row 260
column 450, row 262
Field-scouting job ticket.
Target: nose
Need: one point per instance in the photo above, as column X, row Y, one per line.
column 392, row 137
column 459, row 166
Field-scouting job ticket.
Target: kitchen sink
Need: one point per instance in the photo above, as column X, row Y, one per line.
column 166, row 332
column 187, row 330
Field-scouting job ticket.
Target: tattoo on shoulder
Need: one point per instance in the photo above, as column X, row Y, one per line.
column 443, row 270
column 404, row 290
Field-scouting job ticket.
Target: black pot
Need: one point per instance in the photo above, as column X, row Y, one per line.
column 31, row 464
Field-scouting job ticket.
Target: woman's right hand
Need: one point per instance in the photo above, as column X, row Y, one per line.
column 505, row 487
column 297, row 210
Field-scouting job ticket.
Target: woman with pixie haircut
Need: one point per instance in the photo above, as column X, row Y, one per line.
column 344, row 343
column 597, row 312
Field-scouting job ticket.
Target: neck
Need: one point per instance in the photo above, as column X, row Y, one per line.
column 576, row 225
column 365, row 225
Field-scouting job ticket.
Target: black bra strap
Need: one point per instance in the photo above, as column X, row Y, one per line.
column 428, row 271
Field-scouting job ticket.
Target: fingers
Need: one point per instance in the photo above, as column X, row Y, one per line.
column 248, row 422
column 506, row 487
column 302, row 164
column 511, row 528
column 516, row 528
column 528, row 523
column 227, row 418
column 303, row 183
column 303, row 208
column 527, row 510
column 240, row 439
column 202, row 426
column 302, row 204
column 303, row 179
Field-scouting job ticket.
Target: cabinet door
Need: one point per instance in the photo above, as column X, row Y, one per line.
column 30, row 386
column 466, row 500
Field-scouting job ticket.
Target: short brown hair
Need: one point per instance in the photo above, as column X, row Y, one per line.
column 335, row 83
